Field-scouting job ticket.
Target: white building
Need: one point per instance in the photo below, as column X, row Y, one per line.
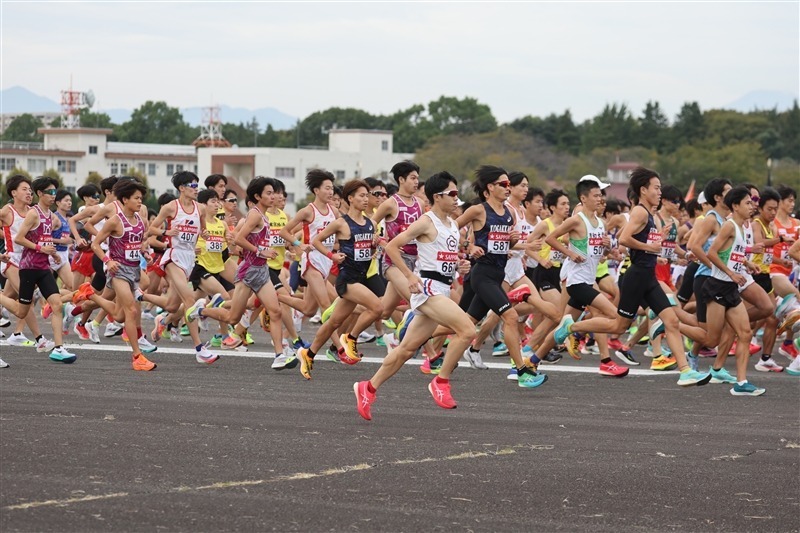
column 47, row 118
column 350, row 154
column 74, row 153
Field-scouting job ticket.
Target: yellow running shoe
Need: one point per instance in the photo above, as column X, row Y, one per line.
column 663, row 363
column 350, row 347
column 306, row 362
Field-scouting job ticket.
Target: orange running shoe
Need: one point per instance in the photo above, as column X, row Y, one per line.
column 83, row 293
column 306, row 362
column 46, row 311
column 350, row 347
column 140, row 362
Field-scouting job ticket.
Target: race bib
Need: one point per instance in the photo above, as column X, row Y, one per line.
column 654, row 237
column 133, row 251
column 736, row 262
column 499, row 243
column 275, row 239
column 188, row 233
column 447, row 263
column 596, row 247
column 668, row 250
column 362, row 250
column 767, row 257
column 214, row 243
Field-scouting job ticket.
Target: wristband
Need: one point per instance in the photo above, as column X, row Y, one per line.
column 330, row 255
column 748, row 250
column 106, row 259
column 38, row 247
column 296, row 242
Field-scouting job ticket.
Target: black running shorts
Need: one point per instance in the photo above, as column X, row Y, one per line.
column 640, row 288
column 487, row 284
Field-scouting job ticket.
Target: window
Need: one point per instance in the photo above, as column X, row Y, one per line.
column 284, row 172
column 170, row 169
column 178, row 168
column 123, row 168
column 7, row 163
column 114, row 169
column 385, row 146
column 37, row 166
column 142, row 167
column 340, row 174
column 151, row 169
column 71, row 190
column 66, row 165
column 92, row 149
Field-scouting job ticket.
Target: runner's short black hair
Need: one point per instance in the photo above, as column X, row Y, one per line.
column 551, row 199
column 316, row 177
column 735, row 196
column 126, row 188
column 485, row 175
column 184, row 177
column 437, row 183
column 205, row 195
column 61, row 194
column 107, row 184
column 766, row 195
column 786, row 192
column 88, row 190
column 15, row 181
column 165, row 198
column 714, row 188
column 43, row 183
column 213, row 179
column 533, row 192
column 403, row 169
column 640, row 177
column 257, row 186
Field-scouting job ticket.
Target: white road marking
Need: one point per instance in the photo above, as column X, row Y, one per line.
column 373, row 360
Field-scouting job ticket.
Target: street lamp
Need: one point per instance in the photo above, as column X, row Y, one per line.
column 769, row 172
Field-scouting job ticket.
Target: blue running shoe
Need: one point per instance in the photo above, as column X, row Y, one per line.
column 512, row 374
column 721, row 376
column 61, row 355
column 300, row 343
column 562, row 331
column 748, row 389
column 692, row 360
column 402, row 327
column 500, row 350
column 693, row 378
column 529, row 379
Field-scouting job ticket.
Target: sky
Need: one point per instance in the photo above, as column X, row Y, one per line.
column 518, row 58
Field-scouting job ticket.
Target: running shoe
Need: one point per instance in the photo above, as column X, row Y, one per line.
column 786, row 350
column 721, row 376
column 148, row 315
column 300, row 343
column 332, row 354
column 125, row 336
column 61, row 355
column 520, row 294
column 562, row 331
column 786, row 304
column 112, row 329
column 160, row 327
column 747, row 389
column 345, row 359
column 263, row 319
column 68, row 318
column 184, row 331
column 611, row 369
column 754, row 348
column 3, row 364
column 389, row 324
column 499, row 350
column 142, row 363
column 326, row 314
column 474, row 359
column 402, row 327
column 216, row 301
column 440, row 390
column 691, row 377
column 248, row 339
column 306, row 363
column 193, row 313
column 625, row 355
column 573, row 347
column 231, row 342
column 528, row 379
column 615, row 344
column 364, row 398
column 380, row 342
column 366, row 337
column 45, row 345
column 83, row 293
column 552, row 358
column 656, row 328
column 512, row 374
column 146, row 346
column 216, row 341
column 692, row 361
column 391, row 341
column 350, row 347
column 19, row 339
column 316, row 319
column 204, row 356
column 431, row 366
column 282, row 360
column 663, row 363
column 794, row 368
column 4, row 322
column 768, row 366
column 94, row 331
column 588, row 349
column 46, row 311
column 175, row 335
column 708, row 352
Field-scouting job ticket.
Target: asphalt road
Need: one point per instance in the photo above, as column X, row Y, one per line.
column 236, row 446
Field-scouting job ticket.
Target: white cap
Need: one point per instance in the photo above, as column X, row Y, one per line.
column 592, row 177
column 702, row 198
column 460, row 202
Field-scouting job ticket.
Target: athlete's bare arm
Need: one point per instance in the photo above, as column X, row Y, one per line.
column 637, row 223
column 287, row 232
column 570, row 226
column 169, row 210
column 700, row 234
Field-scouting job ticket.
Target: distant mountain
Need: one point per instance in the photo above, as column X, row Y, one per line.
column 21, row 100
column 763, row 100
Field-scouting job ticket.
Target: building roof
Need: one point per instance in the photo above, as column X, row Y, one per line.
column 93, row 131
column 623, row 165
column 361, row 131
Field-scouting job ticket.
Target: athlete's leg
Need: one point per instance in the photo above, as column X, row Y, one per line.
column 130, row 310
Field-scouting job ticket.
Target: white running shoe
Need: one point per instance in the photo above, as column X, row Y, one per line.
column 112, row 329
column 245, row 321
column 19, row 339
column 146, row 346
column 4, row 322
column 61, row 355
column 68, row 319
column 193, row 313
column 365, row 337
column 474, row 359
column 3, row 364
column 390, row 341
column 768, row 366
column 45, row 345
column 175, row 335
column 297, row 318
column 204, row 356
column 94, row 332
column 316, row 319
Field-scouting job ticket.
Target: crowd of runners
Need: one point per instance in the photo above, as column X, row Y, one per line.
column 711, row 277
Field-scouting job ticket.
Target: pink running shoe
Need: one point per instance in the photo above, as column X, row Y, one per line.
column 364, row 399
column 520, row 294
column 611, row 369
column 440, row 390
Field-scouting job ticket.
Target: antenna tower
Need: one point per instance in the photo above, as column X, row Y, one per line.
column 211, row 130
column 71, row 104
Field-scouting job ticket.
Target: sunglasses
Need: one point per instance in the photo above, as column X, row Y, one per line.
column 378, row 194
column 451, row 194
column 96, row 196
column 676, row 202
column 193, row 185
column 755, row 199
column 231, row 200
column 505, row 184
column 51, row 192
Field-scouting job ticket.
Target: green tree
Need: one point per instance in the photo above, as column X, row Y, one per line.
column 789, row 129
column 53, row 173
column 689, row 125
column 613, row 127
column 451, row 115
column 314, row 128
column 269, row 138
column 653, row 128
column 24, row 129
column 156, row 122
column 90, row 119
column 93, row 177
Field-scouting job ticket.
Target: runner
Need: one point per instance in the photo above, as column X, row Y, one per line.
column 728, row 253
column 357, row 240
column 437, row 238
column 640, row 287
column 62, row 241
column 764, row 234
column 125, row 232
column 787, row 229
